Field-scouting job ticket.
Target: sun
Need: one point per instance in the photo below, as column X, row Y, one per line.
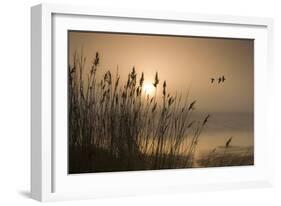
column 148, row 89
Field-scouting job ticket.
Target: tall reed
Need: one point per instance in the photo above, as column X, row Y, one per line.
column 116, row 126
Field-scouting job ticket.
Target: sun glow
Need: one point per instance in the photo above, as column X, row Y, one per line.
column 149, row 89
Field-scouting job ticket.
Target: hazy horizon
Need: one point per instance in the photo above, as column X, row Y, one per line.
column 184, row 62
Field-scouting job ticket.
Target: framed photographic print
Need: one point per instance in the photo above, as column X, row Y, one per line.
column 133, row 102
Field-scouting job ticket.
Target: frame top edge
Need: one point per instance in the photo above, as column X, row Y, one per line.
column 56, row 8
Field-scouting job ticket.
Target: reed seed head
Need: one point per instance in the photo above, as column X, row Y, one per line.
column 191, row 106
column 156, row 80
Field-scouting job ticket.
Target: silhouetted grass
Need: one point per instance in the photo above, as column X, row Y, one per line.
column 117, row 127
column 227, row 156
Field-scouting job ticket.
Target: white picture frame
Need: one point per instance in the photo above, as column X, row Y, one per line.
column 49, row 178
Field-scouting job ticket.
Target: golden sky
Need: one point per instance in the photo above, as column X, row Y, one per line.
column 184, row 62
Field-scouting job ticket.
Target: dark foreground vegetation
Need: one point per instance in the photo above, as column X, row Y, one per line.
column 116, row 126
column 227, row 156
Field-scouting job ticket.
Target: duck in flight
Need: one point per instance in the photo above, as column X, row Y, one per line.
column 220, row 79
column 223, row 78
